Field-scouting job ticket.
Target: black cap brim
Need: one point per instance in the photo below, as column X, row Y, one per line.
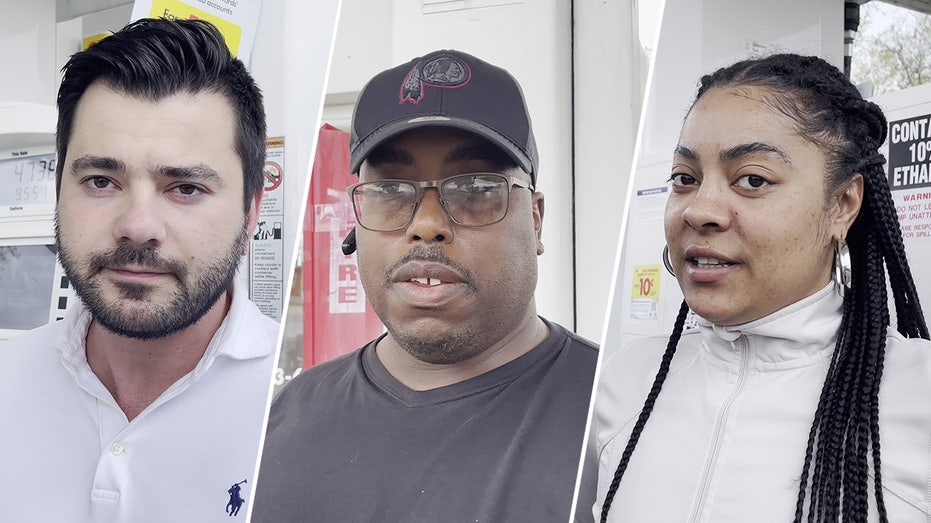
column 385, row 133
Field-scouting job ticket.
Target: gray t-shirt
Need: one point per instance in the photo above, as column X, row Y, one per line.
column 349, row 443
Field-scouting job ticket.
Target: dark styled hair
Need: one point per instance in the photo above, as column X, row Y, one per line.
column 829, row 111
column 156, row 58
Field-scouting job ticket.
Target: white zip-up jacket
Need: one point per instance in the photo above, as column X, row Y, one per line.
column 726, row 439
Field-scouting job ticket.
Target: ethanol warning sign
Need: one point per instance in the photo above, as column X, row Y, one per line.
column 910, row 176
column 910, row 153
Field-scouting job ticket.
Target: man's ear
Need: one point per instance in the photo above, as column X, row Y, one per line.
column 847, row 205
column 537, row 202
column 252, row 219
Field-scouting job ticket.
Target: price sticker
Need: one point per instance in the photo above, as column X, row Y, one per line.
column 645, row 292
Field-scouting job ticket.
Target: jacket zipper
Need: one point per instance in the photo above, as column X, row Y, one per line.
column 742, row 375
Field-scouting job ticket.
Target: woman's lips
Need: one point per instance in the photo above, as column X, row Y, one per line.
column 707, row 266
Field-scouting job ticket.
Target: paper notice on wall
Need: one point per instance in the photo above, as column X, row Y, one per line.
column 236, row 19
column 650, row 205
column 266, row 274
column 910, row 175
column 914, row 210
column 645, row 292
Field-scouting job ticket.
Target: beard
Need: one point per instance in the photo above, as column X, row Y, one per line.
column 442, row 348
column 196, row 292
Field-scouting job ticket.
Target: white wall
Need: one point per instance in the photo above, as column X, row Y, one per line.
column 610, row 69
column 699, row 36
column 27, row 51
column 289, row 62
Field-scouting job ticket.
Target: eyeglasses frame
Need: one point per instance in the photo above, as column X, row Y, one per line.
column 420, row 186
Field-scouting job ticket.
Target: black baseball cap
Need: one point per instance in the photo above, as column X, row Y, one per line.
column 444, row 89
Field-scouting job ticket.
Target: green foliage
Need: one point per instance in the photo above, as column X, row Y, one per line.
column 892, row 48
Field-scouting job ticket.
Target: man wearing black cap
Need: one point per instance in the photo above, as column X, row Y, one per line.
column 471, row 407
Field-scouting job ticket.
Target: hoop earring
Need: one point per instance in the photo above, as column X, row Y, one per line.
column 843, row 271
column 667, row 262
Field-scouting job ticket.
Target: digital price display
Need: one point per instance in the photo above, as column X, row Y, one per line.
column 27, row 183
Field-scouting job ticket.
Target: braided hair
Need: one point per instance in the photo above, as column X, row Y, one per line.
column 844, row 437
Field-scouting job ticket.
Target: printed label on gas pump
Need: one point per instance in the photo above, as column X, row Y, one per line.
column 645, row 292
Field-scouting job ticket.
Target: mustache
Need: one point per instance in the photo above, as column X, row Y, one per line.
column 429, row 254
column 144, row 256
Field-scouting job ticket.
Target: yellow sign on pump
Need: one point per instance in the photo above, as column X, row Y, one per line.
column 646, row 282
column 88, row 41
column 644, row 296
column 175, row 10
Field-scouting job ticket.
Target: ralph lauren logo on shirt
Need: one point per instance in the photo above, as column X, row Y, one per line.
column 236, row 501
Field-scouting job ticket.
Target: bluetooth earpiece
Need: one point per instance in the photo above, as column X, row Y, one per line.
column 349, row 244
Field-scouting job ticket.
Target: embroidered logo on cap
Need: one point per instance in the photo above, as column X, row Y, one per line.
column 236, row 501
column 445, row 71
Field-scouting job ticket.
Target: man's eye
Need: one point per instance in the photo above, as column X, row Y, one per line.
column 389, row 188
column 473, row 186
column 98, row 182
column 187, row 190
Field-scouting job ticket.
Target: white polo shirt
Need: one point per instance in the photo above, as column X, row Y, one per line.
column 68, row 453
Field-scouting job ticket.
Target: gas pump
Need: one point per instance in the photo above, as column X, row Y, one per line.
column 33, row 287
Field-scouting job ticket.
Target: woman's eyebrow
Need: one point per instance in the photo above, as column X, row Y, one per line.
column 753, row 148
column 685, row 152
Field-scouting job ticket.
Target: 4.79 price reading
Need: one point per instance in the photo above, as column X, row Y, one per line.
column 33, row 171
column 26, row 181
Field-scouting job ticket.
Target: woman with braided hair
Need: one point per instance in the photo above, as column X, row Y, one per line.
column 796, row 399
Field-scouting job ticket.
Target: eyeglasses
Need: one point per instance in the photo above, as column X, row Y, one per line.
column 471, row 200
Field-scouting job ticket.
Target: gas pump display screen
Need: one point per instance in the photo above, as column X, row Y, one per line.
column 26, row 274
column 28, row 181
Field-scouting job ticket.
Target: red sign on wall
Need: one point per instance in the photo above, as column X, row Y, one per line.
column 337, row 317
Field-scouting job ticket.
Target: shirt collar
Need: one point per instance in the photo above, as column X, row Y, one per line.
column 238, row 336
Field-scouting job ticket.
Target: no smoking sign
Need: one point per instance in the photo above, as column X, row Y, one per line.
column 273, row 174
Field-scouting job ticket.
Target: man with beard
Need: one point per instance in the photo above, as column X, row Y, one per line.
column 145, row 402
column 471, row 407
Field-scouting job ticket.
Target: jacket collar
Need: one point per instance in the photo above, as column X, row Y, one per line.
column 795, row 335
